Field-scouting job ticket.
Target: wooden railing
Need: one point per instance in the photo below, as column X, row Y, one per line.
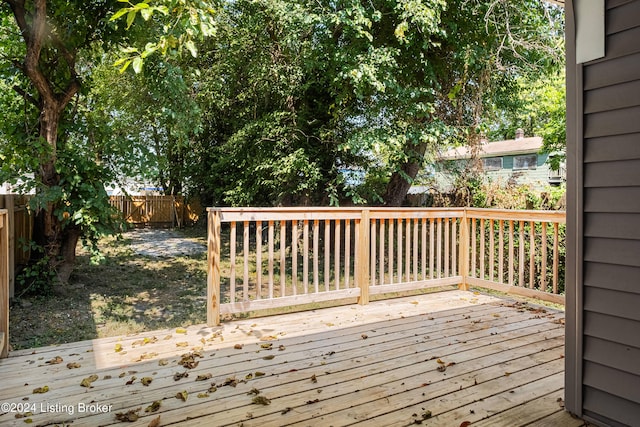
column 156, row 211
column 4, row 284
column 266, row 258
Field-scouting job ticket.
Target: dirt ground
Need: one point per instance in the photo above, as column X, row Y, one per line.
column 149, row 279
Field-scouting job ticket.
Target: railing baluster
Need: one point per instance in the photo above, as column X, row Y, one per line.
column 305, row 256
column 446, row 246
column 511, row 251
column 381, row 250
column 316, row 238
column 439, row 245
column 390, row 248
column 424, row 249
column 327, row 254
column 336, row 253
column 271, row 256
column 407, row 250
column 454, row 247
column 432, row 247
column 415, row 249
column 245, row 272
column 294, row 257
column 474, row 271
column 501, row 251
column 399, row 249
column 521, row 255
column 283, row 257
column 543, row 267
column 232, row 259
column 492, row 248
column 532, row 255
column 258, row 259
column 556, row 257
column 372, row 260
column 482, row 249
column 347, row 252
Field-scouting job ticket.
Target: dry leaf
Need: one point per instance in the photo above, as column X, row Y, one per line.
column 465, row 424
column 129, row 416
column 248, row 376
column 183, row 395
column 259, row 374
column 364, row 336
column 238, row 346
column 155, row 422
column 181, row 331
column 266, row 346
column 212, row 389
column 204, row 377
column 86, row 382
column 281, row 348
column 260, row 400
column 202, row 395
column 131, row 381
column 414, row 302
column 163, row 362
column 269, row 357
column 73, row 365
column 179, row 375
column 146, row 381
column 182, row 344
column 118, row 348
column 314, row 379
column 154, row 406
column 254, row 391
column 41, row 390
column 54, row 361
column 506, row 374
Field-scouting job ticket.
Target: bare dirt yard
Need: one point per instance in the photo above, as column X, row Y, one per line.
column 149, row 279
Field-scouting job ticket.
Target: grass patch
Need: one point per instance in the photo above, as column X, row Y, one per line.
column 125, row 293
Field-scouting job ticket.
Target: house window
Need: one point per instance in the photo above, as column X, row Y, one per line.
column 492, row 163
column 529, row 161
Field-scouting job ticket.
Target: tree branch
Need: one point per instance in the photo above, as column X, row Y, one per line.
column 27, row 96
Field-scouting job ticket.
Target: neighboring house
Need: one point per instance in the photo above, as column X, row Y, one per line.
column 517, row 161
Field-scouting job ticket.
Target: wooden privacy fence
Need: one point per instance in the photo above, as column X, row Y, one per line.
column 156, row 211
column 4, row 283
column 265, row 258
column 20, row 229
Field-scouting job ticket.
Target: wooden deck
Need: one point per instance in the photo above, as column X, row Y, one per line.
column 440, row 360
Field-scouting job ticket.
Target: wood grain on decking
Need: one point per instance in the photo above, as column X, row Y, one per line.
column 374, row 365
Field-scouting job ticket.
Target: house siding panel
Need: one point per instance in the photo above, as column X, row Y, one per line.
column 608, row 258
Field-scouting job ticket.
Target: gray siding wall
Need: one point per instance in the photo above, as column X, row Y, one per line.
column 611, row 223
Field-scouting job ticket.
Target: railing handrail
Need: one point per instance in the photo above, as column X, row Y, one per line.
column 4, row 283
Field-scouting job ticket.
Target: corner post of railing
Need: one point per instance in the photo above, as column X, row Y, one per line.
column 362, row 258
column 4, row 284
column 213, row 267
column 463, row 258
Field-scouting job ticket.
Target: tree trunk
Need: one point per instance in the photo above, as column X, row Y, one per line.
column 398, row 185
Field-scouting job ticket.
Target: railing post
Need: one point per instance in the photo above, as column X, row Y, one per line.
column 4, row 285
column 362, row 257
column 213, row 267
column 463, row 257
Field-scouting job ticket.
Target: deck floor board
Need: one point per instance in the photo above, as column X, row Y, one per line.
column 375, row 365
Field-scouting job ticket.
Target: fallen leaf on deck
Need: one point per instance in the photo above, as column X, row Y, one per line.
column 238, row 346
column 309, row 402
column 260, row 400
column 179, row 375
column 118, row 348
column 131, row 381
column 496, row 315
column 204, row 377
column 451, row 363
column 181, row 331
column 269, row 357
column 426, row 415
column 248, row 376
column 202, row 395
column 86, row 382
column 129, row 416
column 183, row 395
column 414, row 302
column 155, row 422
column 254, row 391
column 268, row 338
column 73, row 365
column 285, row 410
column 54, row 361
column 28, row 421
column 41, row 390
column 314, row 379
column 442, row 368
column 281, row 348
column 506, row 374
column 146, row 381
column 168, row 337
column 266, row 346
column 188, row 360
column 154, row 406
column 259, row 374
column 212, row 389
column 440, row 361
column 364, row 336
column 147, row 356
column 330, row 324
column 182, row 344
column 163, row 362
column 465, row 424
